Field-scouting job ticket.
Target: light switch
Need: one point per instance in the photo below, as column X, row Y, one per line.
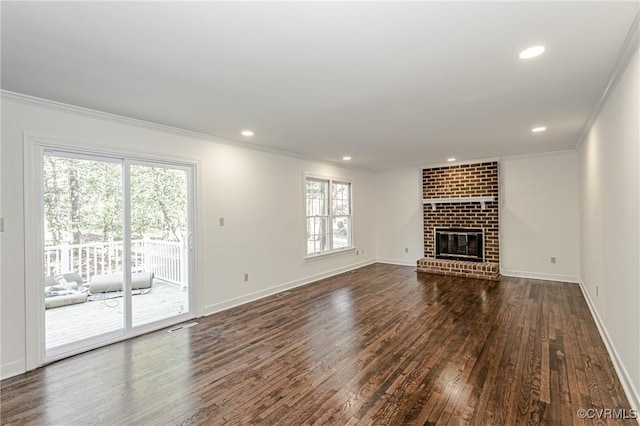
column 221, row 221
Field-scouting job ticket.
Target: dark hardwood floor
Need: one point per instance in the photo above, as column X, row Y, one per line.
column 381, row 345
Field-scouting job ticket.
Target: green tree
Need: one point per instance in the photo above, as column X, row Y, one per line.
column 54, row 196
column 83, row 201
column 159, row 202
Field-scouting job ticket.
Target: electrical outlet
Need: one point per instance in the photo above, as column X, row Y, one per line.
column 246, row 276
column 596, row 290
column 406, row 249
column 221, row 221
column 553, row 259
column 357, row 253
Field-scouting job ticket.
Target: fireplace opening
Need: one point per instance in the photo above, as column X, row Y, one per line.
column 460, row 244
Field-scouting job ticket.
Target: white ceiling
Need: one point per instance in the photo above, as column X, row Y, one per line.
column 393, row 84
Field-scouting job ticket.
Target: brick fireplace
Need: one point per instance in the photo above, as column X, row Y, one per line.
column 461, row 206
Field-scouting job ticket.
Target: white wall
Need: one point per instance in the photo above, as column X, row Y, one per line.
column 539, row 216
column 609, row 161
column 260, row 195
column 1, row 262
column 399, row 217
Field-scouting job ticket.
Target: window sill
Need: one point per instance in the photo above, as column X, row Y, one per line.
column 315, row 256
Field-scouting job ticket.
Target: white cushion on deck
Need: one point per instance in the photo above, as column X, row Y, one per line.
column 113, row 282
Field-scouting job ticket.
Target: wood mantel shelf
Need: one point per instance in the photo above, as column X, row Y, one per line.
column 436, row 201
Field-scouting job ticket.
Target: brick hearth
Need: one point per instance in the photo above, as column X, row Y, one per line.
column 486, row 270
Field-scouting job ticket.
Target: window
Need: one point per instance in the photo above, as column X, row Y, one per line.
column 328, row 215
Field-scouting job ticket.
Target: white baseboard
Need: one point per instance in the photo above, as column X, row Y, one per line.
column 402, row 262
column 12, row 369
column 540, row 276
column 627, row 384
column 241, row 300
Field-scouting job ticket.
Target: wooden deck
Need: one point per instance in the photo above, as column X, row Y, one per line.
column 382, row 345
column 82, row 320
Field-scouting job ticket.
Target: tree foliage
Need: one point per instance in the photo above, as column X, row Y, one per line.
column 158, row 202
column 83, row 201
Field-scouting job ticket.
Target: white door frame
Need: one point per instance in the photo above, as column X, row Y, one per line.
column 34, row 148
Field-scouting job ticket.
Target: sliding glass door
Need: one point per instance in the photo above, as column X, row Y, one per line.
column 83, row 233
column 117, row 250
column 160, row 242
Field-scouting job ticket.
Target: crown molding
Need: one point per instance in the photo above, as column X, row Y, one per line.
column 7, row 95
column 625, row 54
column 540, row 154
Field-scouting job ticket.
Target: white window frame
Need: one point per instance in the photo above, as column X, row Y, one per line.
column 330, row 216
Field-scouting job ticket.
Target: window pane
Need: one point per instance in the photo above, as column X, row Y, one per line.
column 341, row 232
column 341, row 203
column 317, row 234
column 83, row 232
column 317, row 194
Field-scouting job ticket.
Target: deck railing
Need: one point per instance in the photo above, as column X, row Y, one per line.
column 166, row 259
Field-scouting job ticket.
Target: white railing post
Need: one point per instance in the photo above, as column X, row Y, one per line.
column 146, row 250
column 64, row 257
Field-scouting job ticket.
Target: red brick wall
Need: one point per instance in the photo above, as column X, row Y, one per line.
column 468, row 180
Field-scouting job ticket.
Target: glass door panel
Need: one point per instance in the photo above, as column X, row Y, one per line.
column 159, row 243
column 83, row 256
column 116, row 249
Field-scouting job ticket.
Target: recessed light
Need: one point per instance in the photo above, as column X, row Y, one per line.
column 532, row 52
column 346, row 158
column 538, row 129
column 451, row 159
column 247, row 133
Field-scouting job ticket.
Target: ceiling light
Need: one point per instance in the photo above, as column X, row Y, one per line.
column 247, row 133
column 451, row 159
column 538, row 129
column 346, row 158
column 532, row 52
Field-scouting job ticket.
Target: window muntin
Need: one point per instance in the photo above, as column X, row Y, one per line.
column 328, row 215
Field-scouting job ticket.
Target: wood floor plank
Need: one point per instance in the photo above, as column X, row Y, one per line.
column 381, row 345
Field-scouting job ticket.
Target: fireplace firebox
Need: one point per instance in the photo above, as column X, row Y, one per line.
column 460, row 244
